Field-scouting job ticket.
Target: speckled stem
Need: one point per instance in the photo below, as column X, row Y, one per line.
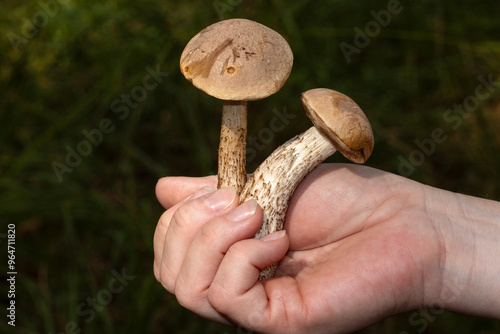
column 232, row 147
column 274, row 181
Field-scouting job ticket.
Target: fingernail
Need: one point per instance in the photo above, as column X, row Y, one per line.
column 274, row 236
column 221, row 199
column 200, row 192
column 208, row 189
column 243, row 211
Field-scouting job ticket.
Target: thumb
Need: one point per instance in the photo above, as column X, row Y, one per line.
column 171, row 190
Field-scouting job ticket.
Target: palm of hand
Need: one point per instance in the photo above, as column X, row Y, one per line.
column 357, row 249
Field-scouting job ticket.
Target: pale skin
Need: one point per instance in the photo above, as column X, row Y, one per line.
column 360, row 245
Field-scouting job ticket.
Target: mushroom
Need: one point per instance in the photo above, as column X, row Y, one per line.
column 339, row 125
column 236, row 60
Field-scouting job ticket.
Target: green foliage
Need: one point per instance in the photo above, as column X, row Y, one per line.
column 60, row 80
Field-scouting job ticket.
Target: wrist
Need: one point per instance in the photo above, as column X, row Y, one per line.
column 468, row 230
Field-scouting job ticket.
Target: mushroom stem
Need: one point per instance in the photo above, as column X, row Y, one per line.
column 232, row 147
column 274, row 181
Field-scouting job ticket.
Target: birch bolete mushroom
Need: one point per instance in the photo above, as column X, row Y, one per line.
column 236, row 61
column 339, row 125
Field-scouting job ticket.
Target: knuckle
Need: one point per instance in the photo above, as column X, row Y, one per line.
column 219, row 297
column 238, row 251
column 208, row 235
column 182, row 216
column 164, row 220
column 186, row 296
column 165, row 278
column 156, row 271
column 183, row 299
column 190, row 214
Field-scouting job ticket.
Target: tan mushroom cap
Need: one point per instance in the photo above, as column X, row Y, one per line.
column 339, row 118
column 237, row 60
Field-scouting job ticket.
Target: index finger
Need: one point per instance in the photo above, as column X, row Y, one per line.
column 171, row 190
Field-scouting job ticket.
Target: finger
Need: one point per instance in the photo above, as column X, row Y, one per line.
column 206, row 253
column 171, row 190
column 164, row 223
column 236, row 292
column 184, row 225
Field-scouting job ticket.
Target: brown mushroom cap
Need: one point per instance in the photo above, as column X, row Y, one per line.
column 342, row 121
column 238, row 60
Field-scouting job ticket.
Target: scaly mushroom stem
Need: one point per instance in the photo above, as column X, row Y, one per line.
column 232, row 147
column 274, row 181
column 339, row 124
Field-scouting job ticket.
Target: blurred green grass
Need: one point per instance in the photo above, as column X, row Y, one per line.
column 63, row 80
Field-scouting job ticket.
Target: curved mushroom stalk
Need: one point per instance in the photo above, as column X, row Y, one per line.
column 274, row 181
column 339, row 124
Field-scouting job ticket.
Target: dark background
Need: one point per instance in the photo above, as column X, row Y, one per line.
column 64, row 64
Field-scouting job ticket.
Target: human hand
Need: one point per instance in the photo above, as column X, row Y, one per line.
column 361, row 244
